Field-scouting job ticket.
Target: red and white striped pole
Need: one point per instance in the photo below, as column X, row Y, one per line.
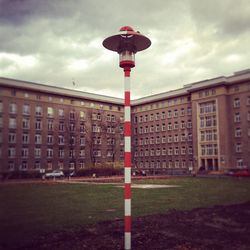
column 127, row 160
column 127, row 43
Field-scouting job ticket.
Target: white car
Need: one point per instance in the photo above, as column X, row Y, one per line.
column 54, row 174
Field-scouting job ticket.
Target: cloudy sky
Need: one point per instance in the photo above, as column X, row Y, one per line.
column 57, row 42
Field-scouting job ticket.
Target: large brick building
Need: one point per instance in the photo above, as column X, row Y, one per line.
column 202, row 125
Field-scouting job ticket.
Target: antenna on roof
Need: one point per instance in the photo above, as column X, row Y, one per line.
column 73, row 82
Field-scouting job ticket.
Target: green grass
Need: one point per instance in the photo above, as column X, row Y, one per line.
column 28, row 210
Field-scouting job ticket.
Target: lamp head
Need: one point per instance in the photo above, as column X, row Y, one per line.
column 126, row 43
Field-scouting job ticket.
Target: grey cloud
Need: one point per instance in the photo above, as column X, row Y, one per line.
column 57, row 33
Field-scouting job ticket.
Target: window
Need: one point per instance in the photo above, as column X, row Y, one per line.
column 190, row 150
column 190, row 137
column 176, row 151
column 82, row 115
column 12, row 137
column 175, row 113
column 189, row 124
column 237, row 132
column 38, row 111
column 152, row 129
column 97, row 129
column 13, row 108
column 38, row 139
column 61, row 126
column 37, row 152
column 183, row 137
column 26, row 123
column 97, row 140
column 49, row 153
column 163, row 115
column 169, row 126
column 169, row 139
column 158, row 140
column 169, row 114
column 183, row 150
column 50, row 139
column 189, row 111
column 238, row 148
column 81, row 164
column 24, row 165
column 164, row 151
column 182, row 112
column 50, row 112
column 176, row 164
column 152, row 152
column 37, row 165
column 11, row 152
column 163, row 139
column 183, row 164
column 176, row 125
column 182, row 124
column 157, row 128
column 176, row 138
column 26, row 109
column 236, row 103
column 72, row 140
column 1, row 122
column 237, row 117
column 239, row 163
column 61, row 140
column 203, row 150
column 49, row 165
column 82, row 153
column 72, row 115
column 38, row 124
column 152, row 140
column 12, row 122
column 170, row 151
column 25, row 138
column 97, row 153
column 61, row 113
column 61, row 153
column 72, row 153
column 11, row 165
column 24, row 152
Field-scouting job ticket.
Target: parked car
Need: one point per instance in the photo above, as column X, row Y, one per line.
column 54, row 174
column 239, row 172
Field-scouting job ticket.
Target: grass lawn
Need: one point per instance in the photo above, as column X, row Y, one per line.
column 28, row 210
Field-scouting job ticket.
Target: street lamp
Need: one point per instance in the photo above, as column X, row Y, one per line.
column 127, row 43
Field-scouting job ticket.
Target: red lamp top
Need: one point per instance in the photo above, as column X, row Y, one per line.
column 127, row 40
column 126, row 28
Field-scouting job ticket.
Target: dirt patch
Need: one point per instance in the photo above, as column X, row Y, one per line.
column 220, row 227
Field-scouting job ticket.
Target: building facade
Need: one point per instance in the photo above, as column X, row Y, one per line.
column 204, row 125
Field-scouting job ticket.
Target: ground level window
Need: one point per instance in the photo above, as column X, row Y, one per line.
column 239, row 163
